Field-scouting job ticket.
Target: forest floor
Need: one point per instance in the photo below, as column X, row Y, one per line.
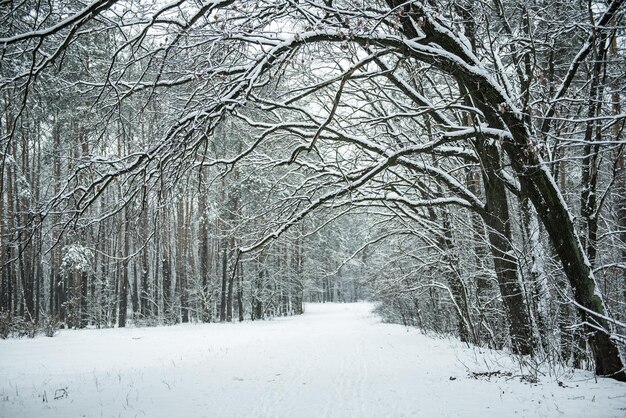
column 336, row 360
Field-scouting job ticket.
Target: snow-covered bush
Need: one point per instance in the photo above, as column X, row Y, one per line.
column 76, row 258
column 16, row 326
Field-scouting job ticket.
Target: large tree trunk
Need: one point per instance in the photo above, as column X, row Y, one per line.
column 538, row 185
column 558, row 223
column 498, row 221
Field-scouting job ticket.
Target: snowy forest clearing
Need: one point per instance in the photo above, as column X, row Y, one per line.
column 336, row 360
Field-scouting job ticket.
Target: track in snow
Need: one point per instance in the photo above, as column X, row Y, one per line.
column 336, row 360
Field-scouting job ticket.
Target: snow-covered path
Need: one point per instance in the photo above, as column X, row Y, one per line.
column 337, row 360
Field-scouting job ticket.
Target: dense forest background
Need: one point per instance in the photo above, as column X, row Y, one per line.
column 462, row 162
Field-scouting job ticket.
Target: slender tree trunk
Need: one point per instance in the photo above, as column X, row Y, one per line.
column 123, row 273
column 204, row 254
column 450, row 261
column 589, row 178
column 166, row 269
column 38, row 239
column 240, row 306
column 135, row 284
column 467, row 332
column 535, row 272
column 480, row 256
column 182, row 263
column 298, row 269
column 619, row 193
column 258, row 288
column 157, row 270
column 5, row 294
column 27, row 301
column 620, row 171
column 135, row 290
column 123, row 238
column 10, row 210
column 229, row 296
column 55, row 262
column 224, row 241
column 145, row 266
column 224, row 280
column 234, row 219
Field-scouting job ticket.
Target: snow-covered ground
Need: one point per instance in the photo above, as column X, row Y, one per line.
column 337, row 360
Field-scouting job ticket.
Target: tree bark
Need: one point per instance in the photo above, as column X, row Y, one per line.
column 240, row 306
column 144, row 298
column 229, row 295
column 5, row 293
column 11, row 225
column 498, row 221
column 224, row 280
column 166, row 270
column 589, row 178
column 204, row 254
column 123, row 273
column 182, row 262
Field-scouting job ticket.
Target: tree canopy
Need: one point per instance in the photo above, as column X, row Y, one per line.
column 464, row 158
